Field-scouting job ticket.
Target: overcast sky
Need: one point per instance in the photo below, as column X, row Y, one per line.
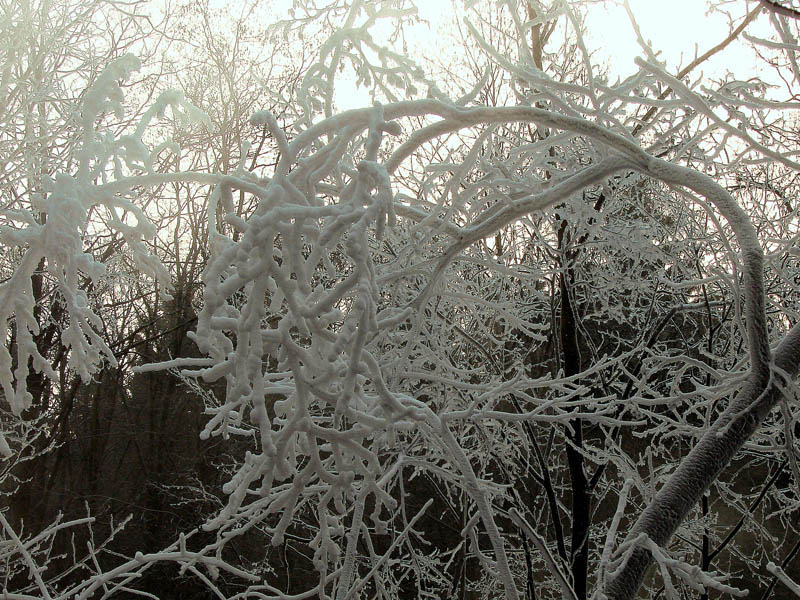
column 679, row 32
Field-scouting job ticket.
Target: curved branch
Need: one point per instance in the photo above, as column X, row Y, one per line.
column 703, row 465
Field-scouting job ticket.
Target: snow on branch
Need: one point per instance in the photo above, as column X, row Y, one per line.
column 294, row 319
column 331, row 312
column 50, row 238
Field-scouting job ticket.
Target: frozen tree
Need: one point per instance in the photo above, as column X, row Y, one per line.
column 453, row 283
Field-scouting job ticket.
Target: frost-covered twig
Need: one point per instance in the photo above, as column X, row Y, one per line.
column 567, row 592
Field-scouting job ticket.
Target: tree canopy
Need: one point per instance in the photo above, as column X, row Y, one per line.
column 518, row 329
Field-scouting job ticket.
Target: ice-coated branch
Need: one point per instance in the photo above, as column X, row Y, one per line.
column 320, row 334
column 702, row 466
column 567, row 592
column 50, row 236
column 335, row 314
column 35, row 570
column 780, row 574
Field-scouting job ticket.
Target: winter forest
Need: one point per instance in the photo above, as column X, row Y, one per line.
column 523, row 324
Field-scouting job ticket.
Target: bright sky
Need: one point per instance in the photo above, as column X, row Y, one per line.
column 679, row 32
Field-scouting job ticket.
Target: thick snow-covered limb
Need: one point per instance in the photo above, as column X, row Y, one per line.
column 124, row 571
column 5, row 449
column 399, row 539
column 352, row 547
column 703, row 465
column 793, row 586
column 284, row 277
column 720, row 444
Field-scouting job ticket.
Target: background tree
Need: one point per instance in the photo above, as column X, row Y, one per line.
column 117, row 455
